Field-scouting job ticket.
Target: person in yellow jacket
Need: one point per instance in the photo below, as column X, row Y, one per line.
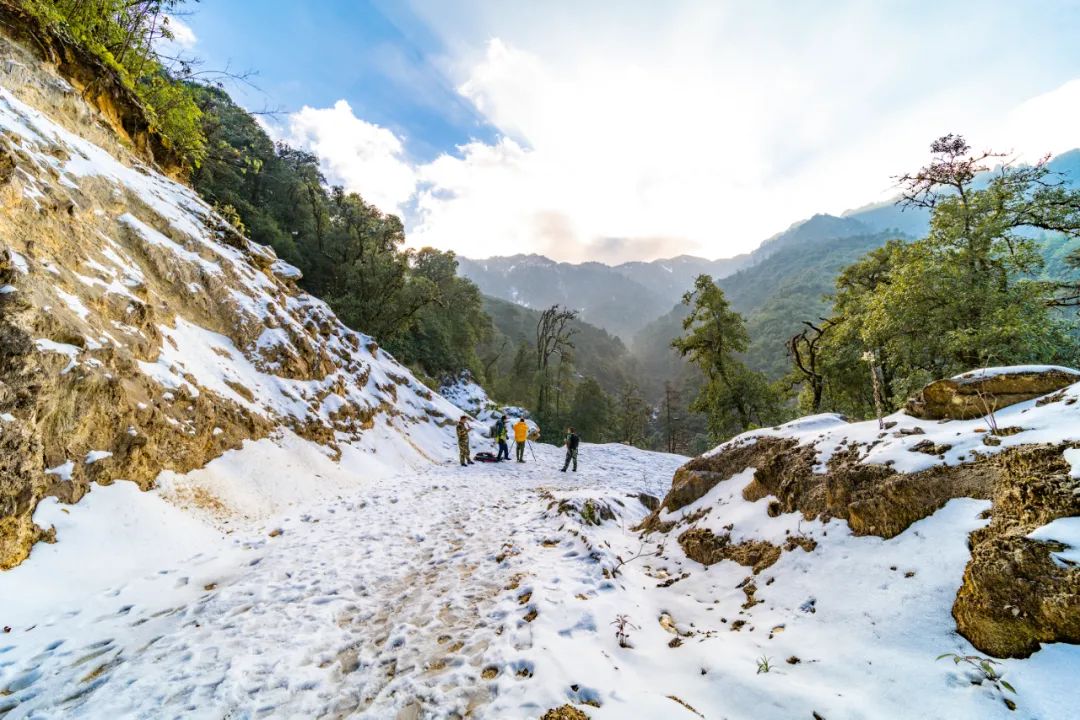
column 521, row 436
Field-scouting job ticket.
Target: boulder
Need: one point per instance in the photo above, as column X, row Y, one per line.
column 1015, row 595
column 975, row 393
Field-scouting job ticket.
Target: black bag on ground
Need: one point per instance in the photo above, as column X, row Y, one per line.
column 484, row 457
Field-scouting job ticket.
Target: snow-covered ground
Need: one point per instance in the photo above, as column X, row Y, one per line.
column 408, row 589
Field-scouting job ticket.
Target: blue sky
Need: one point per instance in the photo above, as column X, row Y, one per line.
column 314, row 53
column 636, row 130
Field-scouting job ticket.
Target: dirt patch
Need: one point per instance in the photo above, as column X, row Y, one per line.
column 566, row 712
column 707, row 548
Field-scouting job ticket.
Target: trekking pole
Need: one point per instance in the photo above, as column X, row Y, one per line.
column 529, row 443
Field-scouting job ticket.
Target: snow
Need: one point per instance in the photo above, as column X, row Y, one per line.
column 19, row 262
column 1065, row 531
column 96, row 456
column 1072, row 456
column 116, row 539
column 46, row 345
column 284, row 270
column 74, row 303
column 353, row 587
column 339, row 571
column 62, row 472
column 1051, row 422
column 6, row 289
column 982, row 373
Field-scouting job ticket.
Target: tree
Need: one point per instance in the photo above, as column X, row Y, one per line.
column 552, row 337
column 591, row 411
column 967, row 294
column 734, row 397
column 671, row 417
column 805, row 352
column 632, row 415
column 126, row 36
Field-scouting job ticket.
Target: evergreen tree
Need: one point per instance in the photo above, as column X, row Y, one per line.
column 734, row 397
column 591, row 412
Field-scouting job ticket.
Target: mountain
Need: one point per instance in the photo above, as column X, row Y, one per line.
column 619, row 299
column 774, row 296
column 622, row 299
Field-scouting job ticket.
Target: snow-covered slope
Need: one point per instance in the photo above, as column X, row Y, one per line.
column 142, row 333
column 468, row 396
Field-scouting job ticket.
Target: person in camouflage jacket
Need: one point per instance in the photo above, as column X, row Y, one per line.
column 463, row 440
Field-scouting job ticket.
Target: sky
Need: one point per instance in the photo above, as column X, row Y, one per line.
column 617, row 131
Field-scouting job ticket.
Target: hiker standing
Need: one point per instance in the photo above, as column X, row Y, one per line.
column 521, row 436
column 463, row 440
column 501, row 436
column 571, row 444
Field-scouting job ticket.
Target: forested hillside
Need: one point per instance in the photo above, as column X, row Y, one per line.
column 619, row 298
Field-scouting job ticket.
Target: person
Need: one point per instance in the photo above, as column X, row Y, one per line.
column 521, row 436
column 463, row 440
column 571, row 443
column 501, row 436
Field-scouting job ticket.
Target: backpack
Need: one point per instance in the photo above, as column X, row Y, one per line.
column 484, row 457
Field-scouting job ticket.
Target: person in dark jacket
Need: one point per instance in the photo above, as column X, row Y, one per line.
column 571, row 443
column 501, row 436
column 463, row 440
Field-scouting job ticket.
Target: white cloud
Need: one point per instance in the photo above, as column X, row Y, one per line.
column 698, row 128
column 708, row 127
column 183, row 35
column 1047, row 123
column 361, row 156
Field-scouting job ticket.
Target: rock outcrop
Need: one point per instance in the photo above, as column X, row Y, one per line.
column 139, row 331
column 1014, row 594
column 977, row 393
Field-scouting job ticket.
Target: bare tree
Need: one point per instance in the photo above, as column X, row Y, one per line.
column 553, row 336
column 672, row 417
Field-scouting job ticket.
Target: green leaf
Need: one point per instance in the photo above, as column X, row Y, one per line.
column 1008, row 687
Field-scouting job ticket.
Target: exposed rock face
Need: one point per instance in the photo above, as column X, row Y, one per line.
column 874, row 499
column 974, row 394
column 1014, row 595
column 139, row 331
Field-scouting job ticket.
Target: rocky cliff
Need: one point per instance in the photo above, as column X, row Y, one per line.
column 138, row 330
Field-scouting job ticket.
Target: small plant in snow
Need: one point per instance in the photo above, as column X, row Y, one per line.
column 764, row 665
column 588, row 513
column 987, row 672
column 989, row 405
column 623, row 626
